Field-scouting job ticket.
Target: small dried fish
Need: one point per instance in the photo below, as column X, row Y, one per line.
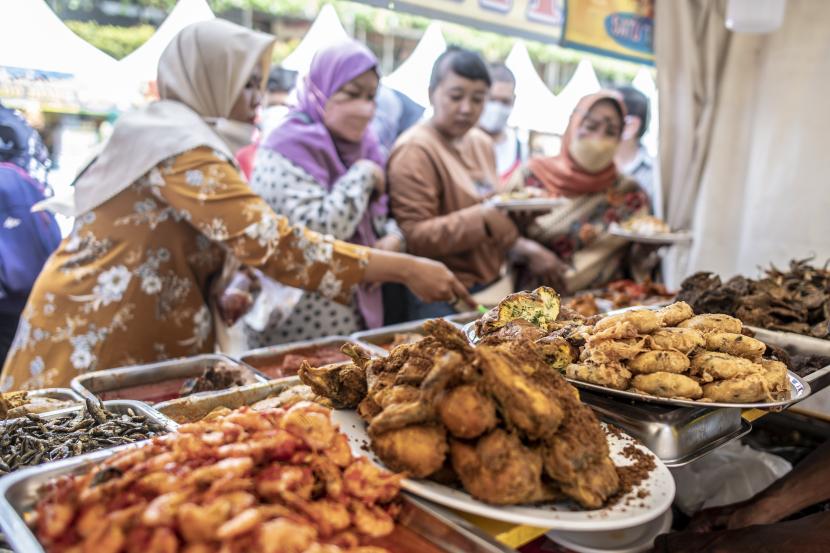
column 31, row 439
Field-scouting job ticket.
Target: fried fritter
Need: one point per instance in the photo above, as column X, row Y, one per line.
column 735, row 344
column 668, row 385
column 499, row 469
column 518, row 329
column 713, row 322
column 659, row 361
column 609, row 375
column 466, row 412
column 539, row 307
column 713, row 365
column 524, row 397
column 418, row 450
column 683, row 340
column 557, row 351
column 676, row 313
column 742, row 389
column 644, row 320
column 775, row 373
column 620, row 331
column 613, row 351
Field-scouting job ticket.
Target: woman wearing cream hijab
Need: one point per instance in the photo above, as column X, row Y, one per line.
column 159, row 212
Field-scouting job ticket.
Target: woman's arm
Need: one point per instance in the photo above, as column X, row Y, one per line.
column 293, row 193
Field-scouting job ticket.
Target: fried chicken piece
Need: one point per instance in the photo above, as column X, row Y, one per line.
column 466, row 412
column 670, row 385
column 742, row 389
column 417, row 450
column 676, row 313
column 397, row 394
column 712, row 365
column 659, row 361
column 577, row 458
column 735, row 344
column 644, row 320
column 683, row 340
column 498, row 469
column 539, row 307
column 775, row 373
column 398, row 415
column 342, row 383
column 610, row 375
column 448, row 335
column 359, row 356
column 515, row 375
column 713, row 322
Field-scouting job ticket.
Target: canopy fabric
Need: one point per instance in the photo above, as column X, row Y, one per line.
column 536, row 107
column 32, row 36
column 141, row 65
column 583, row 82
column 412, row 77
column 325, row 30
column 645, row 84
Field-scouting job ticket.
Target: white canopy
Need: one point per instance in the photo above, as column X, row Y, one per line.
column 33, row 37
column 536, row 107
column 325, row 30
column 412, row 77
column 645, row 84
column 142, row 64
column 583, row 82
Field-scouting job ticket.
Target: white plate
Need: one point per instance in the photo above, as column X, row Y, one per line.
column 615, row 541
column 628, row 512
column 656, row 238
column 527, row 204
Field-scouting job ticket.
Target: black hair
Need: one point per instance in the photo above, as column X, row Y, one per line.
column 500, row 73
column 636, row 104
column 460, row 61
column 281, row 79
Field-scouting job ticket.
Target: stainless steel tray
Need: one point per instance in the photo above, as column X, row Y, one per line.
column 59, row 394
column 386, row 334
column 261, row 357
column 19, row 493
column 196, row 407
column 797, row 343
column 677, row 435
column 175, row 371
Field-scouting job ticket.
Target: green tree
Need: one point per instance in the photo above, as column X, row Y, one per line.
column 115, row 41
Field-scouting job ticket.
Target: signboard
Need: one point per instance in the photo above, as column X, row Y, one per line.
column 618, row 28
column 531, row 19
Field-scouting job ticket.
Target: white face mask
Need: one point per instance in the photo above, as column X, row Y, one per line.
column 494, row 117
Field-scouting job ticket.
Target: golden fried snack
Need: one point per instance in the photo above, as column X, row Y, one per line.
column 775, row 373
column 659, row 361
column 743, row 389
column 539, row 307
column 683, row 340
column 713, row 322
column 676, row 313
column 466, row 412
column 713, row 365
column 613, row 351
column 498, row 469
column 609, row 375
column 418, row 450
column 735, row 344
column 668, row 385
column 644, row 320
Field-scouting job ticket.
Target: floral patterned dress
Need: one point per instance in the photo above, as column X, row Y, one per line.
column 132, row 281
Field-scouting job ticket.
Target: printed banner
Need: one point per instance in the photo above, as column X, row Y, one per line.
column 618, row 28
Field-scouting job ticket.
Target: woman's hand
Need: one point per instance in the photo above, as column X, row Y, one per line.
column 499, row 226
column 431, row 281
column 236, row 299
column 389, row 243
column 543, row 264
column 377, row 173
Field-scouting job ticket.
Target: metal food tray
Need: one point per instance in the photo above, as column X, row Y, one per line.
column 59, row 394
column 386, row 334
column 196, row 407
column 20, row 491
column 677, row 435
column 113, row 380
column 464, row 318
column 258, row 358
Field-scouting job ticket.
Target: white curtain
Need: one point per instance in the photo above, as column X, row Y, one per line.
column 743, row 121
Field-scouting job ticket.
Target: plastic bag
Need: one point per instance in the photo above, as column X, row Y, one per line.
column 732, row 473
column 273, row 305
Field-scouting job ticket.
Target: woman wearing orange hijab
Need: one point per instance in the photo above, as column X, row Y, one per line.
column 584, row 172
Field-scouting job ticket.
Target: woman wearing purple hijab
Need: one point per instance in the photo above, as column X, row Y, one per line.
column 323, row 168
